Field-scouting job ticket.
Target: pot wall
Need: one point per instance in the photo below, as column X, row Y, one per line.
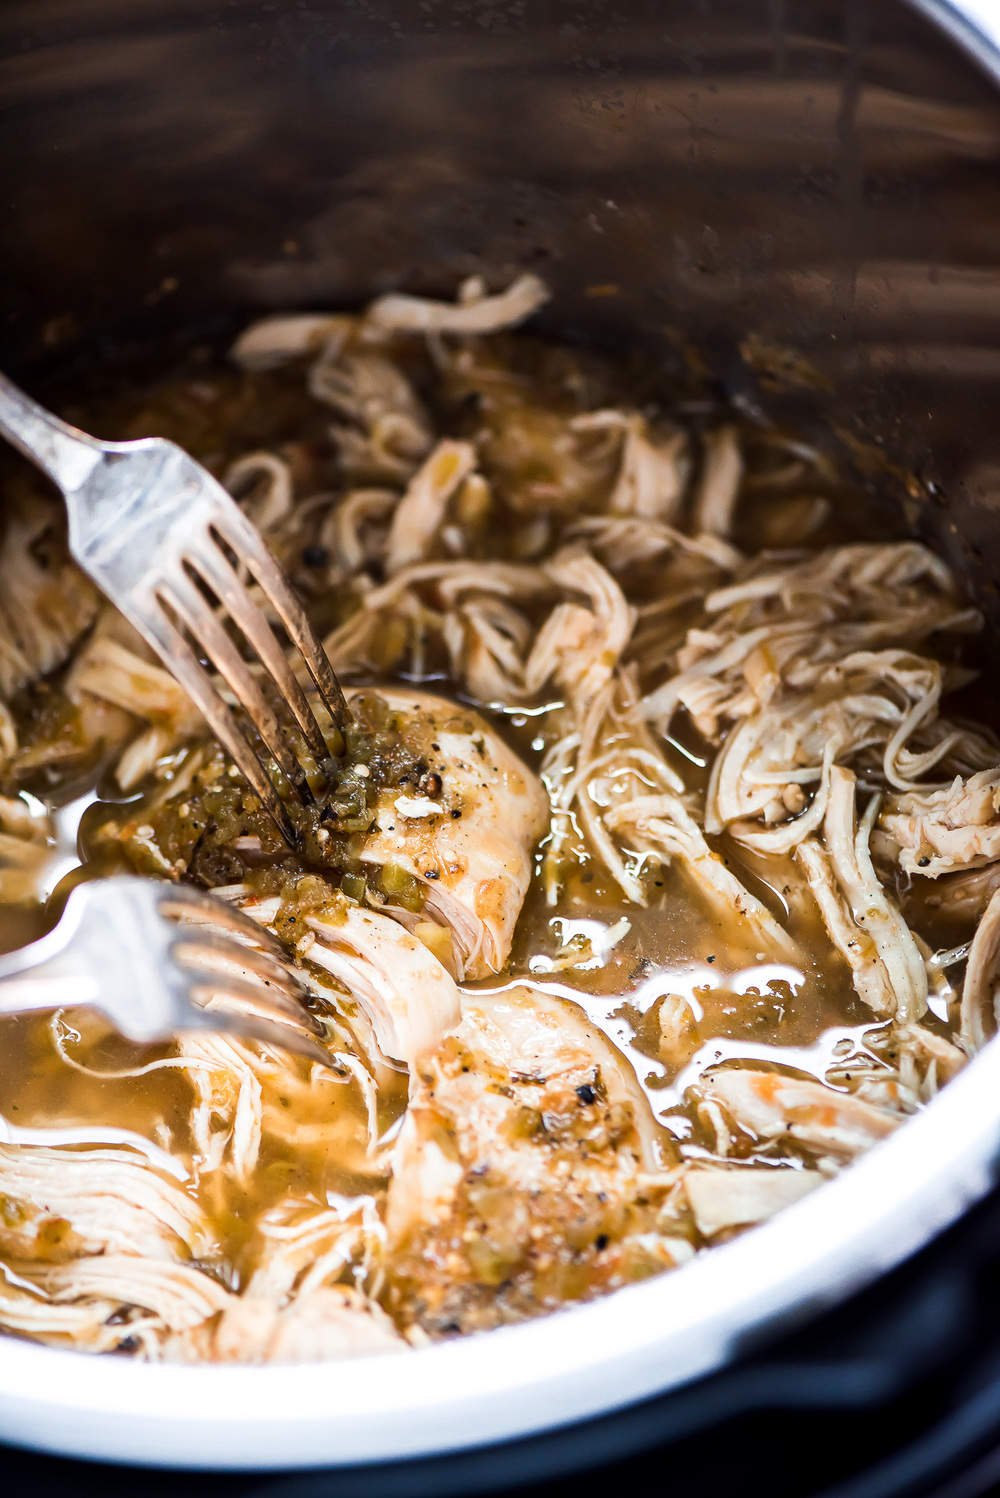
column 821, row 175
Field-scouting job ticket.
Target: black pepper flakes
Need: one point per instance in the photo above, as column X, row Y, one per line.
column 586, row 1093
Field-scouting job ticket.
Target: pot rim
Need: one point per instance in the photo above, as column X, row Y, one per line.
column 576, row 1364
column 579, row 1363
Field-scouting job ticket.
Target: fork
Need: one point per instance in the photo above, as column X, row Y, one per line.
column 163, row 540
column 158, row 958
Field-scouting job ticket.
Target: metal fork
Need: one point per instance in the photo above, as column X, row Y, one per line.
column 163, row 540
column 158, row 958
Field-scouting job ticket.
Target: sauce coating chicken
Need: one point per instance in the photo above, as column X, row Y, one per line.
column 470, row 844
column 654, row 736
column 528, row 1171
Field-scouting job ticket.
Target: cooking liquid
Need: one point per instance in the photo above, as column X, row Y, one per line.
column 69, row 1071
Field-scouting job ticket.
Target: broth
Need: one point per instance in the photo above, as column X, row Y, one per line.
column 673, row 981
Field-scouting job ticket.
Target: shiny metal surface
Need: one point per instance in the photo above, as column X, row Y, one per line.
column 118, row 948
column 152, row 528
column 820, row 174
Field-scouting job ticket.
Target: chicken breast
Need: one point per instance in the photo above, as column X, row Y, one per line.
column 409, row 997
column 522, row 1173
column 468, row 837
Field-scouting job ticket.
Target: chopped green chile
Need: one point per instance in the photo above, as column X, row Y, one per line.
column 598, row 989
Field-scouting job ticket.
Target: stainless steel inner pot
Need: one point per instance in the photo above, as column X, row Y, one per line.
column 806, row 191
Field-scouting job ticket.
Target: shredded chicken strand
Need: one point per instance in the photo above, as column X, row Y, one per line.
column 735, row 722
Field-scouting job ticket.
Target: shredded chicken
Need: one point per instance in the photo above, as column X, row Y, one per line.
column 46, row 604
column 653, row 468
column 981, row 990
column 943, row 831
column 769, row 1106
column 333, row 1323
column 522, row 1177
column 410, row 997
column 632, row 731
column 787, row 621
column 862, row 920
column 719, row 483
column 662, row 828
column 740, row 1195
column 60, row 1203
column 475, row 311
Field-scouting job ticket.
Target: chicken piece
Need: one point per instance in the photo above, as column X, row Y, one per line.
column 82, row 1325
column 474, row 312
column 652, row 473
column 468, row 838
column 105, row 1302
column 690, row 564
column 488, row 642
column 761, row 777
column 863, row 922
column 980, row 1012
column 421, row 512
column 580, row 644
column 524, row 1172
column 59, row 1203
column 951, row 828
column 409, row 996
column 46, row 603
column 662, row 828
column 381, row 428
column 299, row 1247
column 262, row 484
column 788, row 622
column 115, row 685
column 274, row 341
column 925, row 1061
column 736, row 1196
column 719, row 483
column 770, row 1105
column 247, row 1094
column 335, row 1322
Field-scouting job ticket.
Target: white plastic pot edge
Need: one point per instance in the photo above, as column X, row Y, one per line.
column 519, row 1381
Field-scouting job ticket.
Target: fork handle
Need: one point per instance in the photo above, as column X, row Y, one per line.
column 65, row 455
column 45, row 975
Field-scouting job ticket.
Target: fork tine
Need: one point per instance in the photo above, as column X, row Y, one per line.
column 196, row 612
column 245, row 1026
column 210, row 563
column 206, row 951
column 210, row 988
column 182, row 902
column 245, row 542
column 195, row 680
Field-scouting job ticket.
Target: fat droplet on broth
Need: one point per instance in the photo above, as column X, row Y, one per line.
column 756, row 1010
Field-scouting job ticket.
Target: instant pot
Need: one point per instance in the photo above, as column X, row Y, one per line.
column 801, row 194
